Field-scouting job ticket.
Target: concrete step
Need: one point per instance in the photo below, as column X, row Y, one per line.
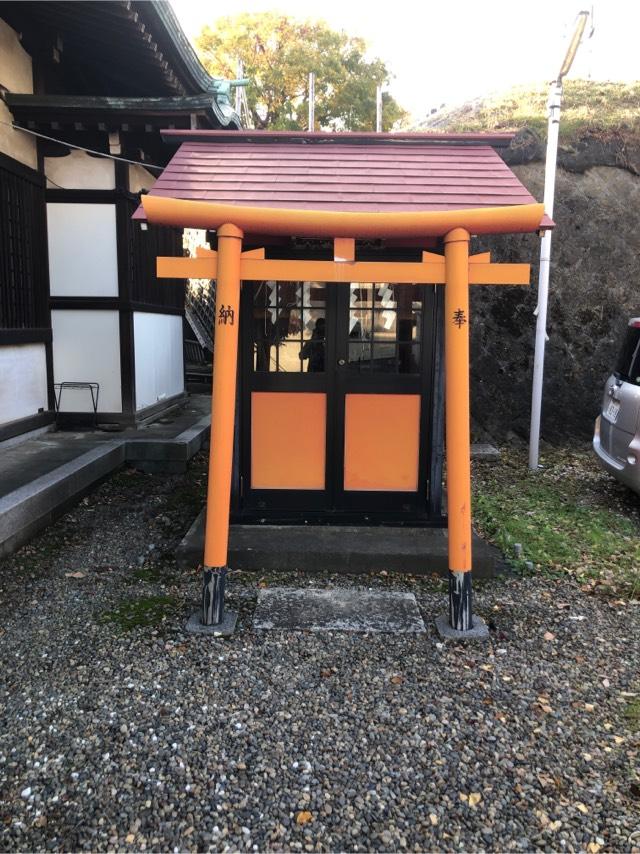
column 42, row 477
column 31, row 507
column 337, row 548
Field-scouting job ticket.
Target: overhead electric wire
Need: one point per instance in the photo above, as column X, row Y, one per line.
column 82, row 148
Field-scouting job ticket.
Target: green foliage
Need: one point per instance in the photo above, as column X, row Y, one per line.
column 279, row 52
column 588, row 106
column 570, row 517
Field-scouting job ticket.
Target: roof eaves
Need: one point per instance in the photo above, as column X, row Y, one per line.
column 194, row 76
column 499, row 140
column 30, row 107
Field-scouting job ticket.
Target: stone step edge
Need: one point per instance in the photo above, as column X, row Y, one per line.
column 30, row 508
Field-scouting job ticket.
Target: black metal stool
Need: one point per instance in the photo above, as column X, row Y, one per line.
column 93, row 388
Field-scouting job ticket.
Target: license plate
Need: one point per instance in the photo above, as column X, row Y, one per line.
column 612, row 410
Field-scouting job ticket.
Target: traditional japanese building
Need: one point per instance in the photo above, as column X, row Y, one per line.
column 343, row 266
column 79, row 301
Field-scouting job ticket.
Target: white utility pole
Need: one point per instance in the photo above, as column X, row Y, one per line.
column 378, row 109
column 312, row 102
column 555, row 98
column 239, row 74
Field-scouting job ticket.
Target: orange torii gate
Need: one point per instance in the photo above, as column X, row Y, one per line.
column 456, row 270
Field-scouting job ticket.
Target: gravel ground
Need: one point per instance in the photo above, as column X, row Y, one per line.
column 118, row 731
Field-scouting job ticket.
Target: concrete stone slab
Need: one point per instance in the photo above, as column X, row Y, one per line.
column 220, row 630
column 337, row 548
column 42, row 477
column 31, row 507
column 479, row 632
column 484, row 451
column 314, row 610
column 157, row 454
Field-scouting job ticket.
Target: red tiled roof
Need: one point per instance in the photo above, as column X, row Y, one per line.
column 374, row 173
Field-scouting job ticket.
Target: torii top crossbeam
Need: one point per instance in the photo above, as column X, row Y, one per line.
column 345, row 187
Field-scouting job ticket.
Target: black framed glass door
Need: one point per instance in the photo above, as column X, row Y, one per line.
column 382, row 401
column 336, row 399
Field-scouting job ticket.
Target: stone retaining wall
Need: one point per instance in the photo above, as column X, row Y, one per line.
column 594, row 289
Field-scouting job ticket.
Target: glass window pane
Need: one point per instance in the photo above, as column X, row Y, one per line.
column 360, row 305
column 313, row 321
column 289, row 360
column 360, row 325
column 288, row 324
column 260, row 291
column 282, row 328
column 409, row 358
column 385, row 358
column 409, row 312
column 361, row 295
column 359, row 358
column 314, row 294
column 312, row 353
column 264, row 356
column 385, row 296
column 288, row 295
column 416, row 312
column 264, row 329
column 384, row 325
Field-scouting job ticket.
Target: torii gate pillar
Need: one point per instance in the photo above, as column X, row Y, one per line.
column 213, row 619
column 458, row 428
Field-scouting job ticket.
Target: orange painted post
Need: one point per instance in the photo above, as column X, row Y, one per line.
column 458, row 427
column 223, row 403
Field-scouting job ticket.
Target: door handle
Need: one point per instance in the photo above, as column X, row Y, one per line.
column 342, row 362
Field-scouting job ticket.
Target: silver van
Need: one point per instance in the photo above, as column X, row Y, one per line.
column 616, row 439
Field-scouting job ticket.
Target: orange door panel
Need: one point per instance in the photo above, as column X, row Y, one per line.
column 288, row 440
column 381, row 443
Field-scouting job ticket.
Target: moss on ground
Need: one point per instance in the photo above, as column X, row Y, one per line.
column 570, row 517
column 143, row 612
column 156, row 573
column 188, row 496
column 632, row 714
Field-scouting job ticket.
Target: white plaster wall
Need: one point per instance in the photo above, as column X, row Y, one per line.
column 86, row 348
column 83, row 258
column 16, row 72
column 140, row 178
column 14, row 143
column 158, row 357
column 16, row 75
column 80, row 171
column 23, row 381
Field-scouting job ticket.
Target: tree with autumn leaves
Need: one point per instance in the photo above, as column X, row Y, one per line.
column 279, row 52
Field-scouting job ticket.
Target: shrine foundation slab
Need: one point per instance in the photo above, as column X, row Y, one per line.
column 315, row 610
column 337, row 548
